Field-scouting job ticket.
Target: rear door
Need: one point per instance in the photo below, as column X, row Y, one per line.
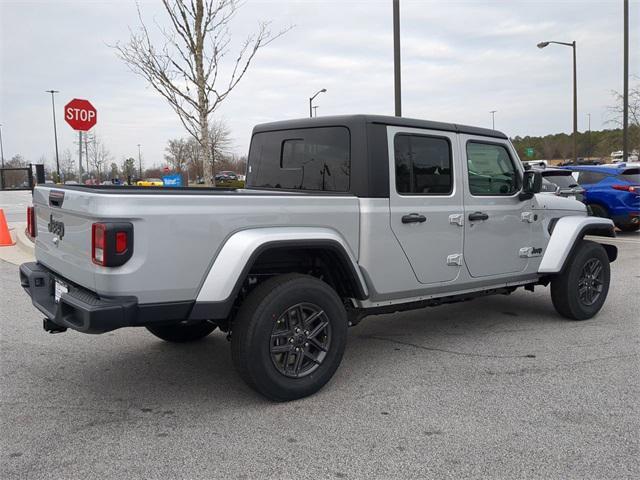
column 425, row 199
column 497, row 227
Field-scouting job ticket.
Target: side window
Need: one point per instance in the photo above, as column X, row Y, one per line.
column 423, row 165
column 491, row 170
column 314, row 159
column 587, row 178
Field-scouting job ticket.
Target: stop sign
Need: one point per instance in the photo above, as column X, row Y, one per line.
column 166, row 170
column 80, row 114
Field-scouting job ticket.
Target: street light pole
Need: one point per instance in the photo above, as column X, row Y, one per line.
column 311, row 101
column 315, row 110
column 589, row 130
column 140, row 161
column 575, row 93
column 55, row 130
column 1, row 147
column 493, row 119
column 625, row 87
column 396, row 58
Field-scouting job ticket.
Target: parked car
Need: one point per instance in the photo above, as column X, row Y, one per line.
column 582, row 161
column 225, row 176
column 612, row 191
column 561, row 182
column 342, row 218
column 150, row 182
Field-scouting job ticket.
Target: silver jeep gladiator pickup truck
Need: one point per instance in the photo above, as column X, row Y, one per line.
column 342, row 217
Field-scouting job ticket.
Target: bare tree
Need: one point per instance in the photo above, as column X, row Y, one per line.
column 68, row 165
column 195, row 165
column 17, row 161
column 185, row 68
column 615, row 111
column 176, row 153
column 220, row 143
column 99, row 156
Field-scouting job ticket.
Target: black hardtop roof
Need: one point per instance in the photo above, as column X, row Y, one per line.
column 348, row 120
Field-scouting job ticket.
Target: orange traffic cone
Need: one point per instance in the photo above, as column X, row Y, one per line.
column 5, row 236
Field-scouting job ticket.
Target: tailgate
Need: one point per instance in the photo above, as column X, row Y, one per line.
column 63, row 242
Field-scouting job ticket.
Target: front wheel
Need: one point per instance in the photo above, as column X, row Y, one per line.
column 628, row 227
column 183, row 332
column 579, row 292
column 289, row 336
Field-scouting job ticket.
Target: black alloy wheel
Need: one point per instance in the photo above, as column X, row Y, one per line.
column 300, row 340
column 590, row 282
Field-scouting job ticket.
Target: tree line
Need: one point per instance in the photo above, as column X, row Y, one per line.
column 590, row 144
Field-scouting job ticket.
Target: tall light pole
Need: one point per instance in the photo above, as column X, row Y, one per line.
column 396, row 58
column 140, row 160
column 311, row 101
column 315, row 110
column 1, row 147
column 575, row 94
column 625, row 87
column 589, row 130
column 55, row 130
column 493, row 119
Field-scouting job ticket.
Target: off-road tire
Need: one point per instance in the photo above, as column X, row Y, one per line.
column 252, row 338
column 565, row 286
column 182, row 332
column 598, row 211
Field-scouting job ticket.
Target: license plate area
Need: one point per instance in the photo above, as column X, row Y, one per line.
column 58, row 289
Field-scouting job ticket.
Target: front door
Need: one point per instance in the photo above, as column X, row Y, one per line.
column 425, row 200
column 497, row 230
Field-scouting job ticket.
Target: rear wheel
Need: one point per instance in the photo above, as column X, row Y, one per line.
column 289, row 336
column 183, row 332
column 599, row 211
column 579, row 292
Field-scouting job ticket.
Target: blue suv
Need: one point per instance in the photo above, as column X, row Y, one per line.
column 612, row 191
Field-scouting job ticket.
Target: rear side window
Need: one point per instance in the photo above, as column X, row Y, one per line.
column 423, row 165
column 631, row 175
column 314, row 159
column 491, row 170
column 588, row 178
column 562, row 180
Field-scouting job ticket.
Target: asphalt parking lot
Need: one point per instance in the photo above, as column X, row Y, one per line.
column 14, row 204
column 498, row 388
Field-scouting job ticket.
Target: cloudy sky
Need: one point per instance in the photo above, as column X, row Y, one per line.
column 461, row 59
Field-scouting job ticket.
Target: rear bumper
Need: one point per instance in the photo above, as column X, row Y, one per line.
column 85, row 311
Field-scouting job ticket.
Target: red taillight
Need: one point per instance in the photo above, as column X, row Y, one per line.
column 98, row 242
column 111, row 243
column 121, row 242
column 627, row 188
column 31, row 222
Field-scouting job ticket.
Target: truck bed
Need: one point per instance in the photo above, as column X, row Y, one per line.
column 178, row 232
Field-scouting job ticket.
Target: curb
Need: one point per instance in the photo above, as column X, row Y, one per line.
column 22, row 239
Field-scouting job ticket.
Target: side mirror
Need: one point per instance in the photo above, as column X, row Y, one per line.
column 531, row 184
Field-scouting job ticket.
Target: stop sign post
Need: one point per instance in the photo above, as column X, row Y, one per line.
column 81, row 116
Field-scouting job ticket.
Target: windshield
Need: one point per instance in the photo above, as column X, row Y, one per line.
column 547, row 186
column 631, row 175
